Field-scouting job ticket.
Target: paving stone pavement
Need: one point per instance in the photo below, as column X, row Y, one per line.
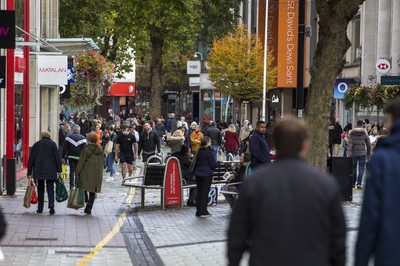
column 148, row 236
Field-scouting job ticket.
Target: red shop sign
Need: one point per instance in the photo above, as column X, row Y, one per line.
column 173, row 183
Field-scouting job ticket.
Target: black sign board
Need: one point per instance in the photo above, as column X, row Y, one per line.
column 2, row 71
column 65, row 91
column 390, row 80
column 7, row 29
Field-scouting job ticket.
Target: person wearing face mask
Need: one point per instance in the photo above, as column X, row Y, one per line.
column 149, row 142
column 124, row 144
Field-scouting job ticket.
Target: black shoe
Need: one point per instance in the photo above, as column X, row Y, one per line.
column 71, row 187
column 107, row 170
column 52, row 211
column 39, row 211
column 87, row 211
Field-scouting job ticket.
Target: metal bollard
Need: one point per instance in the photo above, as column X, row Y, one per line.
column 11, row 178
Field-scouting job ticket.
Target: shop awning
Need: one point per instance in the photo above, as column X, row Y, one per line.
column 122, row 89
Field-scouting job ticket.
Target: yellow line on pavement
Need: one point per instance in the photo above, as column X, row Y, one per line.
column 110, row 235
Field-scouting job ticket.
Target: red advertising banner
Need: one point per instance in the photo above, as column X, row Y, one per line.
column 173, row 183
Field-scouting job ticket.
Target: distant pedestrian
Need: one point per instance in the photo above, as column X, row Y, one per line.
column 293, row 215
column 149, row 143
column 176, row 141
column 125, row 146
column 195, row 139
column 204, row 170
column 160, row 128
column 337, row 137
column 379, row 230
column 84, row 124
column 182, row 123
column 359, row 148
column 232, row 144
column 109, row 162
column 62, row 135
column 44, row 166
column 171, row 123
column 90, row 170
column 216, row 138
column 259, row 149
column 73, row 146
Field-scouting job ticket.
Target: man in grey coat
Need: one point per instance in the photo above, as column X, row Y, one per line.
column 359, row 148
column 289, row 213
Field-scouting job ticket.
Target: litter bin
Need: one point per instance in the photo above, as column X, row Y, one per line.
column 341, row 169
column 11, row 178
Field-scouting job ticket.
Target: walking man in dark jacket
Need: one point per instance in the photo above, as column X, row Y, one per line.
column 359, row 148
column 72, row 148
column 149, row 142
column 44, row 164
column 216, row 138
column 293, row 215
column 259, row 149
column 379, row 230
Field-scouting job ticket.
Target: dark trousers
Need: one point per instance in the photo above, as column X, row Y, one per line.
column 72, row 167
column 50, row 193
column 90, row 200
column 203, row 187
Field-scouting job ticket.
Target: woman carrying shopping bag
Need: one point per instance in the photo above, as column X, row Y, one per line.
column 90, row 170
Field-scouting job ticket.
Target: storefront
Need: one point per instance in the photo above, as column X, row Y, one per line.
column 121, row 98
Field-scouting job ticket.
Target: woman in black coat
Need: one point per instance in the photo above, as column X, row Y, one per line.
column 44, row 164
column 204, row 171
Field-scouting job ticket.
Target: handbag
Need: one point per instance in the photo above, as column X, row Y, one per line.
column 193, row 164
column 28, row 195
column 61, row 191
column 76, row 199
column 34, row 197
column 63, row 174
column 109, row 147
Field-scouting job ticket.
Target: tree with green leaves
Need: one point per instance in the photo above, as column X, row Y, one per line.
column 236, row 66
column 108, row 22
column 334, row 17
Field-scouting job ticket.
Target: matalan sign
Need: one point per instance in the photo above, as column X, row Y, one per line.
column 193, row 67
column 52, row 70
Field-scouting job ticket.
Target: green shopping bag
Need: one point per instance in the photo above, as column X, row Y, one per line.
column 61, row 191
column 76, row 199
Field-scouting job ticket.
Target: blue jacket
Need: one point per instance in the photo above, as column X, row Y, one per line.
column 205, row 163
column 259, row 149
column 379, row 230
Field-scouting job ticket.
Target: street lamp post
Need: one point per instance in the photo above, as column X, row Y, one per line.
column 264, row 97
column 198, row 53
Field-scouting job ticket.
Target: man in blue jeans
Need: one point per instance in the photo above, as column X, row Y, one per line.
column 216, row 138
column 359, row 148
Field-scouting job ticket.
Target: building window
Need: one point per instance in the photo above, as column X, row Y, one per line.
column 355, row 39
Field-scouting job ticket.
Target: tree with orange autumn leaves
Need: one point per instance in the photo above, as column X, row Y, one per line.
column 236, row 66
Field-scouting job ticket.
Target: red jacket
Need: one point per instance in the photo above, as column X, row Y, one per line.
column 231, row 141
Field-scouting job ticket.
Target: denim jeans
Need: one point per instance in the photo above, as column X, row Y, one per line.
column 214, row 149
column 110, row 163
column 357, row 180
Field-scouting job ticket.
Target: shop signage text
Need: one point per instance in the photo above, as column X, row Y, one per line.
column 53, row 70
column 2, row 71
column 7, row 29
column 193, row 67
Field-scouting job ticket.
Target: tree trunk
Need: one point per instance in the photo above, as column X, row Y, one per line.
column 156, row 87
column 328, row 63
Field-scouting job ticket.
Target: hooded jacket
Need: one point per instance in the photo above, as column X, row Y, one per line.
column 359, row 144
column 90, row 168
column 379, row 230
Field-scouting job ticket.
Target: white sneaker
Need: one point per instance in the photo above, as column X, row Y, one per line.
column 108, row 179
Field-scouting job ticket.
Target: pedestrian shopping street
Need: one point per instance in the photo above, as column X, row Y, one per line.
column 120, row 233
